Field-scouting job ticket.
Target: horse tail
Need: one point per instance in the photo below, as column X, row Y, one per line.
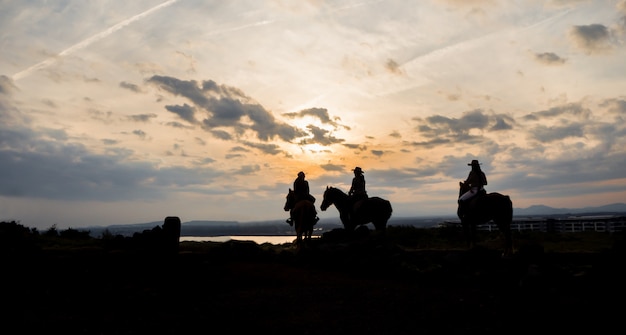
column 509, row 207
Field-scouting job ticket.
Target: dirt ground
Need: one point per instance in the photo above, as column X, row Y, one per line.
column 365, row 287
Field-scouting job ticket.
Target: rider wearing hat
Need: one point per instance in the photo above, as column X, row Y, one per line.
column 476, row 180
column 357, row 190
column 301, row 188
column 301, row 192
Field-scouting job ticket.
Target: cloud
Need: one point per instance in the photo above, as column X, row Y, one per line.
column 615, row 106
column 570, row 109
column 226, row 107
column 220, row 134
column 320, row 137
column 593, row 38
column 549, row 58
column 131, row 87
column 87, row 42
column 140, row 133
column 359, row 147
column 142, row 117
column 6, row 85
column 437, row 125
column 271, row 149
column 185, row 112
column 39, row 168
column 319, row 113
column 550, row 134
column 333, row 167
column 175, row 124
column 248, row 169
column 393, row 67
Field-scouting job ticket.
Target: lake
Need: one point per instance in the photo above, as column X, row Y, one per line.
column 257, row 239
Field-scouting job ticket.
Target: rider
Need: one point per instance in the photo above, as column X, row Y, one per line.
column 476, row 181
column 301, row 192
column 357, row 190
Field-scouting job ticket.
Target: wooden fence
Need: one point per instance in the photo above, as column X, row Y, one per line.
column 573, row 224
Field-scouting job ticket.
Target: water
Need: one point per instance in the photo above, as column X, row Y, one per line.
column 256, row 239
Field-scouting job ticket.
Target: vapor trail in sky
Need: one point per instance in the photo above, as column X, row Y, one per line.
column 90, row 40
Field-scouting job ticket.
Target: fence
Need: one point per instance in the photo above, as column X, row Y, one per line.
column 604, row 223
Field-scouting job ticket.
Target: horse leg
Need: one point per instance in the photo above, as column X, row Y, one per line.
column 469, row 230
column 505, row 229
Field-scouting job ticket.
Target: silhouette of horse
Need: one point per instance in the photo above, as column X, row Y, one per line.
column 374, row 209
column 481, row 209
column 303, row 213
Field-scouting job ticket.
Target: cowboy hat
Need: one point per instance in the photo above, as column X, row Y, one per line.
column 358, row 169
column 474, row 162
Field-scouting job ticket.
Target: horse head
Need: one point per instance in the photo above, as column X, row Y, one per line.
column 463, row 187
column 289, row 202
column 326, row 202
column 333, row 196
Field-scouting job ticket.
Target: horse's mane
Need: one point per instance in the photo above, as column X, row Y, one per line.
column 335, row 189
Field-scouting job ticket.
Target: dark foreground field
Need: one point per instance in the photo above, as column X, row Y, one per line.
column 414, row 281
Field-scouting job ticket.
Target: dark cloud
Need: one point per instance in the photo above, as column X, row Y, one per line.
column 615, row 106
column 393, row 67
column 185, row 112
column 550, row 134
column 108, row 141
column 248, row 170
column 38, row 168
column 359, row 147
column 142, row 134
column 593, row 38
column 377, row 153
column 549, row 58
column 222, row 135
column 271, row 149
column 320, row 136
column 557, row 176
column 104, row 117
column 319, row 113
column 440, row 129
column 205, row 161
column 431, row 143
column 142, row 117
column 238, row 149
column 333, row 167
column 175, row 124
column 227, row 107
column 502, row 123
column 130, row 86
column 567, row 110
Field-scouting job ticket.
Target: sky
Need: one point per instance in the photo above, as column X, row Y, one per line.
column 119, row 112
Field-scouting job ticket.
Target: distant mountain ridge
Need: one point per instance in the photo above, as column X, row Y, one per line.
column 279, row 227
column 546, row 210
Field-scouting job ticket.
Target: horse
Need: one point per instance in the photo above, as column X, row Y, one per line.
column 304, row 216
column 481, row 209
column 373, row 209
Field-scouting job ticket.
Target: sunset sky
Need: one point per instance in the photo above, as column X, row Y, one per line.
column 117, row 112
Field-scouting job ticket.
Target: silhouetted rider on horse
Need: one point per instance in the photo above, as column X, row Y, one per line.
column 476, row 181
column 302, row 192
column 357, row 190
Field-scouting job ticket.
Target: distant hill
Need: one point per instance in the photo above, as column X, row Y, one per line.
column 545, row 210
column 280, row 228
